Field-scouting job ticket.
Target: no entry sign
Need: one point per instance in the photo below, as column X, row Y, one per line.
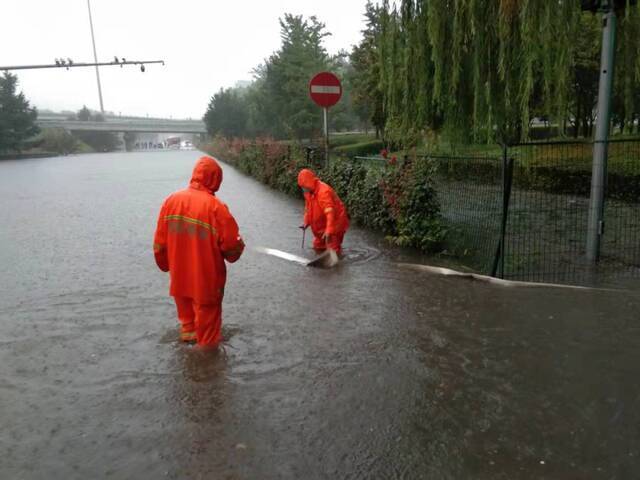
column 325, row 89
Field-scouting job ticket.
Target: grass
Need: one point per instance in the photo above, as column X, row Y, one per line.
column 340, row 140
column 337, row 140
column 370, row 147
column 623, row 157
column 546, row 232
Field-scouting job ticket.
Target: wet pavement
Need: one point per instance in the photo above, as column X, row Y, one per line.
column 369, row 370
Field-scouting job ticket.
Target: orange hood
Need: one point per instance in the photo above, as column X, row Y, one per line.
column 307, row 179
column 207, row 175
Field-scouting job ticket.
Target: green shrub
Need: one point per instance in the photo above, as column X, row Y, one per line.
column 56, row 140
column 360, row 189
column 419, row 223
column 397, row 199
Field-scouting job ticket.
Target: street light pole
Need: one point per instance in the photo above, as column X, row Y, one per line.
column 95, row 57
column 67, row 66
column 600, row 146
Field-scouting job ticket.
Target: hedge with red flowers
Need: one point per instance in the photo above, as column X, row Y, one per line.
column 395, row 197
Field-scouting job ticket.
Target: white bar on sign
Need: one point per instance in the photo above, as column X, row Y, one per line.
column 325, row 89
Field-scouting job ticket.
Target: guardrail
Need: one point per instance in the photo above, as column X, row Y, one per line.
column 126, row 126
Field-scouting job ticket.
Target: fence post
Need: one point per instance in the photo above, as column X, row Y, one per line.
column 507, row 181
column 600, row 146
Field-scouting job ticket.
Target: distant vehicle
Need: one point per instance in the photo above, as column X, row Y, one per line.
column 186, row 145
column 173, row 142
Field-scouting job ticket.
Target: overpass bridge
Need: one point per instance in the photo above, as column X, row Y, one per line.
column 122, row 125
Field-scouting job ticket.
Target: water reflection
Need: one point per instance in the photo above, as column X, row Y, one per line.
column 365, row 371
column 203, row 366
column 200, row 397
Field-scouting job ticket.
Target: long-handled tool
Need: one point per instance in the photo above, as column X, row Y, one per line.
column 283, row 255
column 327, row 259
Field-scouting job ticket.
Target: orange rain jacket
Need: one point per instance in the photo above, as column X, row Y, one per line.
column 324, row 211
column 196, row 233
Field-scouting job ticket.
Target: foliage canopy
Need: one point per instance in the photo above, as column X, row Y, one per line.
column 483, row 69
column 17, row 117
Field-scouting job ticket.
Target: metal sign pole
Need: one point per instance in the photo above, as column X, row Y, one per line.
column 325, row 90
column 326, row 135
column 600, row 147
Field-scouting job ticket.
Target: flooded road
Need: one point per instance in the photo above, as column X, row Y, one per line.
column 369, row 370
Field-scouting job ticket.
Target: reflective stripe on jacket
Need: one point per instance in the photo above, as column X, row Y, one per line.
column 195, row 234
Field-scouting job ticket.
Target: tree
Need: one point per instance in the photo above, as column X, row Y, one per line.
column 227, row 114
column 99, row 141
column 365, row 78
column 129, row 140
column 17, row 118
column 285, row 76
column 626, row 110
column 276, row 102
column 586, row 72
column 481, row 70
column 58, row 140
column 84, row 114
column 342, row 116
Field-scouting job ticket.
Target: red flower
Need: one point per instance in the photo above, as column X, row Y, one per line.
column 384, row 153
column 393, row 160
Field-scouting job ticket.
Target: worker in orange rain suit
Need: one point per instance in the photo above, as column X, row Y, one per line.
column 196, row 233
column 324, row 212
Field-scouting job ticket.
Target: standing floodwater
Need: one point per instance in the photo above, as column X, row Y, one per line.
column 369, row 370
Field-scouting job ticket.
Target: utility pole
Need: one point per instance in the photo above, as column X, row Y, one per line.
column 95, row 57
column 600, row 146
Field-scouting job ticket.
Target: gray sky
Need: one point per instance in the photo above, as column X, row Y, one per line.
column 207, row 44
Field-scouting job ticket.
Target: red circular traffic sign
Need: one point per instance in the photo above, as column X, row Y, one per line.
column 325, row 89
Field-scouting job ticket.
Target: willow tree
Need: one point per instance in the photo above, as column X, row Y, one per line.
column 627, row 86
column 483, row 68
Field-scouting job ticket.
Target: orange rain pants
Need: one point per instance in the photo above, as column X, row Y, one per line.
column 201, row 323
column 195, row 235
column 324, row 212
column 334, row 243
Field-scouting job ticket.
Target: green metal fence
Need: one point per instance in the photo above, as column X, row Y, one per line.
column 524, row 216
